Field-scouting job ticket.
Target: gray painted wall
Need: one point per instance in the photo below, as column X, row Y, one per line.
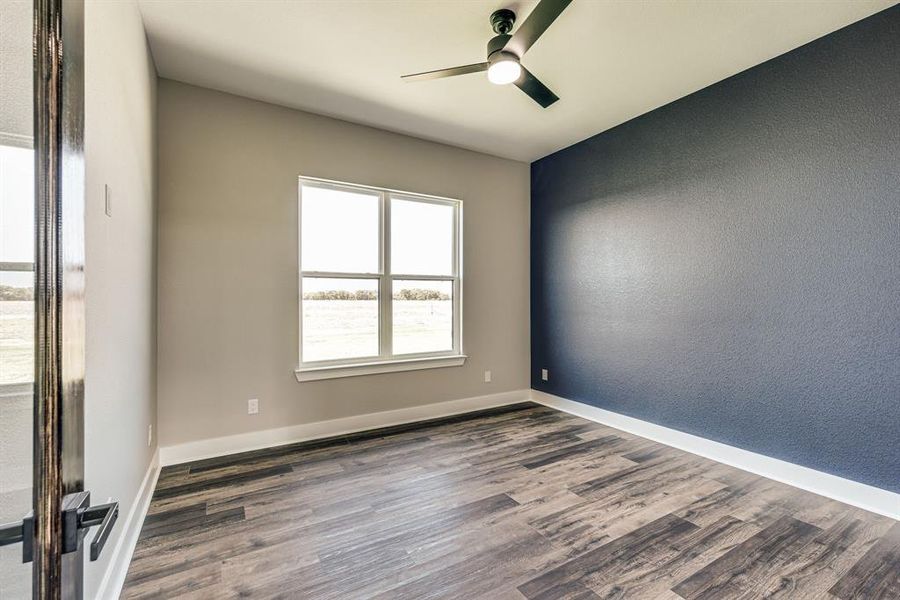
column 729, row 265
column 228, row 308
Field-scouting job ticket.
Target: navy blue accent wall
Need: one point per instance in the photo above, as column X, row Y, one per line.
column 729, row 265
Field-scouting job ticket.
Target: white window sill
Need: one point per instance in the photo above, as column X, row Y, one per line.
column 373, row 368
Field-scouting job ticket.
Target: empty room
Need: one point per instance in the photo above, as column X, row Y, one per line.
column 450, row 300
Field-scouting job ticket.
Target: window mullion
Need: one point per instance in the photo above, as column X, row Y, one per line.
column 457, row 280
column 385, row 290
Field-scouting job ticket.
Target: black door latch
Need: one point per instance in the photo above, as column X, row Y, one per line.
column 77, row 517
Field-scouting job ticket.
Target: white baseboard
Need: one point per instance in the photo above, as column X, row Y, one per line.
column 117, row 569
column 867, row 497
column 256, row 440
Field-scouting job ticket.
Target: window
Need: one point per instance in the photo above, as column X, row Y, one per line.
column 380, row 285
column 16, row 268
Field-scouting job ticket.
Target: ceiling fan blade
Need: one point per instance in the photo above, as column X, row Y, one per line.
column 452, row 71
column 538, row 92
column 535, row 25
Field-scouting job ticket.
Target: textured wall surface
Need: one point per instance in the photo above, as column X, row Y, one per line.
column 729, row 265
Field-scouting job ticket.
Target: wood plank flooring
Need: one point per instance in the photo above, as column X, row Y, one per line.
column 523, row 502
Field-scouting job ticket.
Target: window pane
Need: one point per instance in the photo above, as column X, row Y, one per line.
column 340, row 230
column 340, row 318
column 421, row 238
column 16, row 315
column 16, row 327
column 423, row 316
column 16, row 204
column 17, row 246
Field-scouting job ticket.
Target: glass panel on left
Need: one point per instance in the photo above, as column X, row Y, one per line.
column 16, row 284
column 339, row 230
column 340, row 318
column 16, row 330
column 16, row 266
column 16, row 364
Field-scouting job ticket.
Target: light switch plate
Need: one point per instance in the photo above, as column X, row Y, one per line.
column 107, row 200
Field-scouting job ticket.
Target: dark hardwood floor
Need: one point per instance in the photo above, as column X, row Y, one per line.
column 524, row 503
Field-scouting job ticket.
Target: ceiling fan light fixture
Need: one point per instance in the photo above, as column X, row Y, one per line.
column 505, row 50
column 504, row 69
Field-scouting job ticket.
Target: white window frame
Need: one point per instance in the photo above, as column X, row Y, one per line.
column 25, row 388
column 385, row 361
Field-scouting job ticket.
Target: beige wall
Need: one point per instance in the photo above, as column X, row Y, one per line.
column 120, row 261
column 228, row 171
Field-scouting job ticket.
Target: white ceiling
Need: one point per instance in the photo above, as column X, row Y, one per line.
column 608, row 60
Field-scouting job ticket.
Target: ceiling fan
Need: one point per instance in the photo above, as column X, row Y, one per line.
column 505, row 51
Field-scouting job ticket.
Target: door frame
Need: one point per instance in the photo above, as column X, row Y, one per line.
column 59, row 289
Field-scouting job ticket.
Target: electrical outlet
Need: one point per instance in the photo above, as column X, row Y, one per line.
column 149, row 435
column 107, row 200
column 487, row 376
column 545, row 375
column 252, row 406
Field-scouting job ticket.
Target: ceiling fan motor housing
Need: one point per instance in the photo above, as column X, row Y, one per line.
column 502, row 20
column 496, row 44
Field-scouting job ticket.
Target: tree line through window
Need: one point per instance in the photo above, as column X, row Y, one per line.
column 406, row 294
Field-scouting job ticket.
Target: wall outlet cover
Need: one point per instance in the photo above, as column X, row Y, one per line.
column 545, row 375
column 253, row 406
